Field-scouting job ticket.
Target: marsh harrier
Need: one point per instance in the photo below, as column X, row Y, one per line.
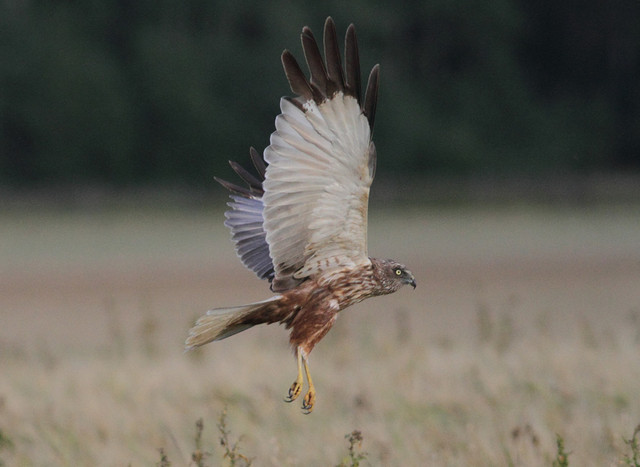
column 301, row 223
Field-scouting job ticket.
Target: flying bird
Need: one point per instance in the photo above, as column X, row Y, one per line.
column 301, row 222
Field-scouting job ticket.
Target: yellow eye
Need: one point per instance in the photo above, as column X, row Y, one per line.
column 398, row 272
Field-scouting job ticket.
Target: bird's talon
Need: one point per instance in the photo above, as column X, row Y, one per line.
column 294, row 392
column 309, row 402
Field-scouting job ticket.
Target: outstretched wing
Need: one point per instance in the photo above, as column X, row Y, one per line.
column 245, row 218
column 321, row 164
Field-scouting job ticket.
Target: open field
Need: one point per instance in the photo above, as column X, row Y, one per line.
column 525, row 324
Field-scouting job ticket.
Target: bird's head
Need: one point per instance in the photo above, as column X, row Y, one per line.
column 393, row 275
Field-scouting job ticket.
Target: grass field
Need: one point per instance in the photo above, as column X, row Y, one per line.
column 525, row 325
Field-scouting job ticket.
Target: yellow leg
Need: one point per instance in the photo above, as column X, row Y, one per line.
column 296, row 387
column 310, row 397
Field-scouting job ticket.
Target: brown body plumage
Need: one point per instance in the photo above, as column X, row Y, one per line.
column 301, row 223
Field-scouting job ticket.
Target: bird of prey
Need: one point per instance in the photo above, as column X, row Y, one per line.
column 301, row 223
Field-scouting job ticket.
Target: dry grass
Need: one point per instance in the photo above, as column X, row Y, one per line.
column 524, row 330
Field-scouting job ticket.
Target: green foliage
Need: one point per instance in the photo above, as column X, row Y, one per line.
column 198, row 456
column 5, row 444
column 562, row 457
column 164, row 460
column 231, row 450
column 126, row 93
column 234, row 457
column 355, row 455
column 634, row 460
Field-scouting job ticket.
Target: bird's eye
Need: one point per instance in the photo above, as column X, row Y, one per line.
column 398, row 272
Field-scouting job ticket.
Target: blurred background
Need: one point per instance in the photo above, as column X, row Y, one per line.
column 508, row 181
column 113, row 94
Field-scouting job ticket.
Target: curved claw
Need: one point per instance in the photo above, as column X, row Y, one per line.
column 294, row 391
column 309, row 401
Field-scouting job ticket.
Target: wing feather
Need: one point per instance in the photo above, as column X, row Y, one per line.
column 332, row 55
column 245, row 218
column 258, row 162
column 352, row 63
column 312, row 55
column 371, row 96
column 254, row 184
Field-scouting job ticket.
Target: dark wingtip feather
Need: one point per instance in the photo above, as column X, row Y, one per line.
column 332, row 55
column 258, row 162
column 329, row 77
column 314, row 61
column 234, row 188
column 352, row 64
column 297, row 81
column 254, row 184
column 371, row 96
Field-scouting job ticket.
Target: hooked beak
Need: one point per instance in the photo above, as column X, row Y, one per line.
column 411, row 281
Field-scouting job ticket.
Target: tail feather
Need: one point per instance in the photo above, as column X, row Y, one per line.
column 221, row 323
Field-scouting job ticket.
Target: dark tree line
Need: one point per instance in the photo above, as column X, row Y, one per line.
column 161, row 91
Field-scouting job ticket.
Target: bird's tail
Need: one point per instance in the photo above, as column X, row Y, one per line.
column 221, row 323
